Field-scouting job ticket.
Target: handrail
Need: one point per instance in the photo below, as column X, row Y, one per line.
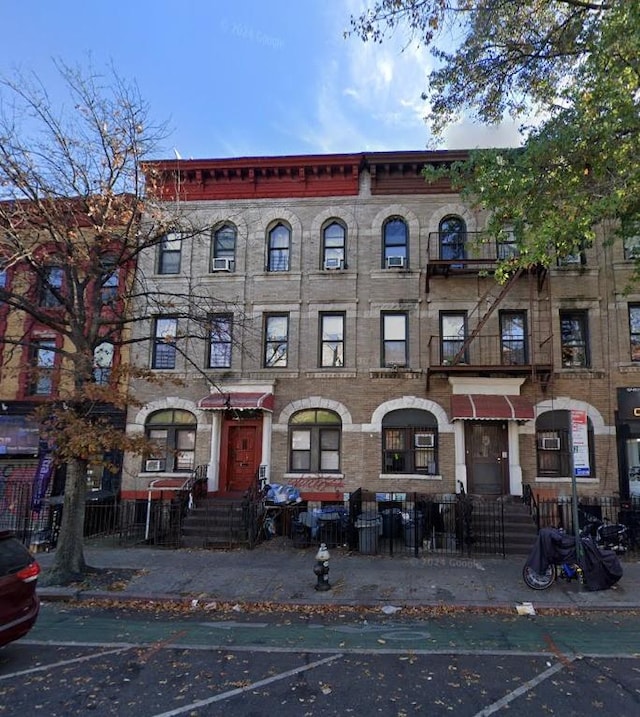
column 529, row 499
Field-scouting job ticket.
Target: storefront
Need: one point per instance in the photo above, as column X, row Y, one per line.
column 628, row 441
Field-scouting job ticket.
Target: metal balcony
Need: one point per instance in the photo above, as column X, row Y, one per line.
column 490, row 355
column 458, row 254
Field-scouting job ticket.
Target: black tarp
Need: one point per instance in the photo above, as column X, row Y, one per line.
column 601, row 568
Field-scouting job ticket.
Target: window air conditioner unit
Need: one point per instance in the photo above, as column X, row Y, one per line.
column 222, row 264
column 395, row 262
column 333, row 262
column 154, row 465
column 425, row 440
column 550, row 444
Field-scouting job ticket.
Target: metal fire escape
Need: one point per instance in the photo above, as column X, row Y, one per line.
column 489, row 359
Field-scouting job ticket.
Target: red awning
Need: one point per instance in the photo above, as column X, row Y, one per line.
column 490, row 407
column 237, row 401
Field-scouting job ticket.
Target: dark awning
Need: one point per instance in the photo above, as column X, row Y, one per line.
column 490, row 407
column 237, row 401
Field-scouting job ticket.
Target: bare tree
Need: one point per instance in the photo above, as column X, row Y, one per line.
column 74, row 220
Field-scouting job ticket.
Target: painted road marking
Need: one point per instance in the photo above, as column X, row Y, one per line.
column 63, row 663
column 524, row 688
column 240, row 690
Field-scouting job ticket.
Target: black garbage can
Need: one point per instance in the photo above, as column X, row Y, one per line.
column 368, row 525
column 300, row 534
column 391, row 522
column 413, row 529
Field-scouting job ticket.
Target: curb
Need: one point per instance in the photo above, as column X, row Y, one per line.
column 80, row 596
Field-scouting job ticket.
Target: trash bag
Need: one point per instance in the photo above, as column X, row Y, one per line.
column 601, row 567
column 281, row 494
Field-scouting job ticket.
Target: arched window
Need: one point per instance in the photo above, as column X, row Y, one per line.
column 279, row 248
column 410, row 442
column 173, row 434
column 554, row 445
column 395, row 235
column 314, row 441
column 333, row 246
column 223, row 248
column 453, row 237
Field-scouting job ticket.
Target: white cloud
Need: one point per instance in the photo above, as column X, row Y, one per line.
column 471, row 135
column 370, row 97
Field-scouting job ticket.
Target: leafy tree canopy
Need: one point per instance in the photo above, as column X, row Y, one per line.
column 575, row 65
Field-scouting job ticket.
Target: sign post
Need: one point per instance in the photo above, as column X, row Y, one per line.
column 579, row 463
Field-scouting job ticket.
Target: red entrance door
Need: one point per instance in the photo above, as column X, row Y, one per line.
column 243, row 456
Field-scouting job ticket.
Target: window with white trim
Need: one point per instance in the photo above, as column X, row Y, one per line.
column 394, row 339
column 333, row 246
column 223, row 248
column 453, row 334
column 574, row 345
column 164, row 345
column 172, row 433
column 220, row 341
column 169, row 253
column 276, row 340
column 331, row 340
column 279, row 248
column 314, row 441
column 395, row 240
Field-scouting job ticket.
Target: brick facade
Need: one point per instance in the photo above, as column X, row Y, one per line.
column 362, row 192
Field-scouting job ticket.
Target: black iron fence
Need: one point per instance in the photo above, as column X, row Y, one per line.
column 558, row 512
column 369, row 523
column 402, row 524
column 107, row 520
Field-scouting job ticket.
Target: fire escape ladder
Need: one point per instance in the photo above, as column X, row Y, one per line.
column 504, row 290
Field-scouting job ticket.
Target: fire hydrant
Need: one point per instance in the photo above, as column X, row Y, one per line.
column 321, row 568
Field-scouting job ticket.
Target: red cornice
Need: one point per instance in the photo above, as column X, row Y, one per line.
column 292, row 176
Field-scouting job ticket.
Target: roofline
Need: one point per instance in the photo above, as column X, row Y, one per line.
column 360, row 158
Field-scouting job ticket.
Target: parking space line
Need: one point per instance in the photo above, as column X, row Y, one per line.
column 504, row 701
column 63, row 663
column 240, row 690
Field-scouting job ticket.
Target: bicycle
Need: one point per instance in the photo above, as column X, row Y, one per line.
column 555, row 556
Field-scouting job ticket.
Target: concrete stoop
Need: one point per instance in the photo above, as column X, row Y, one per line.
column 215, row 523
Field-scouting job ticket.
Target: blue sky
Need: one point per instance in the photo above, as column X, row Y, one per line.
column 243, row 77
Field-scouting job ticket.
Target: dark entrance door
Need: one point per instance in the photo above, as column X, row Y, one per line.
column 244, row 446
column 487, row 458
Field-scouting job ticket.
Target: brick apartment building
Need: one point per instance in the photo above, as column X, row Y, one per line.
column 36, row 369
column 362, row 341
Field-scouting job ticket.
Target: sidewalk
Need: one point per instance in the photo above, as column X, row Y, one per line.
column 277, row 573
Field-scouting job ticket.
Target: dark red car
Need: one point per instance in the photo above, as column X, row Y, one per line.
column 19, row 603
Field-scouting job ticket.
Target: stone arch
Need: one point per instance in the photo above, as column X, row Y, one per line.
column 564, row 403
column 396, row 210
column 216, row 219
column 340, row 214
column 423, row 404
column 272, row 216
column 140, row 419
column 314, row 402
column 453, row 209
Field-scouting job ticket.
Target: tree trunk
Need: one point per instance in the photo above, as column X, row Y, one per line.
column 69, row 561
